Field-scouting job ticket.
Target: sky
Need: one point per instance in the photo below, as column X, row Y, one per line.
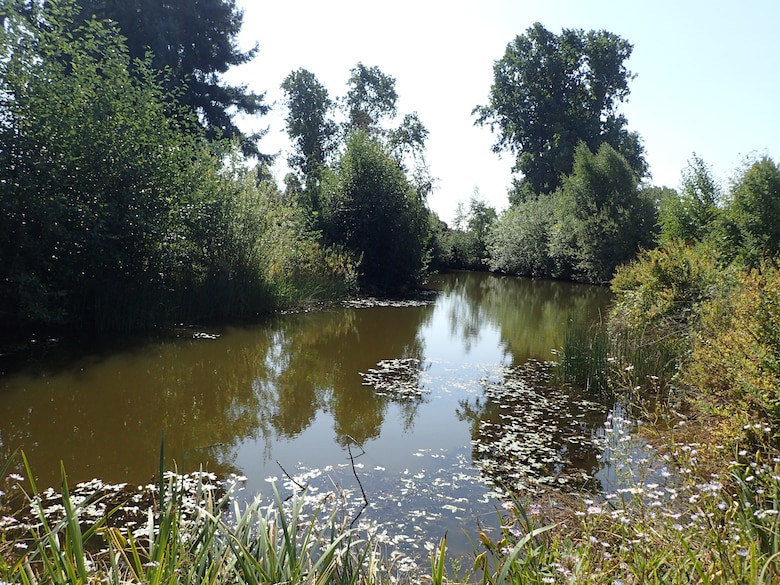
column 707, row 75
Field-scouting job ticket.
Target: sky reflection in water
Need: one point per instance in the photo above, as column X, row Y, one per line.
column 288, row 397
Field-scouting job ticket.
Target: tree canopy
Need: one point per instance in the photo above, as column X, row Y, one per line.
column 752, row 219
column 308, row 120
column 689, row 216
column 371, row 98
column 114, row 214
column 550, row 92
column 598, row 219
column 371, row 208
column 196, row 42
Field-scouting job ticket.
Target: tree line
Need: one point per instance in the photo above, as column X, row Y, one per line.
column 582, row 203
column 130, row 198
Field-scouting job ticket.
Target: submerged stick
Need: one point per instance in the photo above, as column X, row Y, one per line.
column 360, row 483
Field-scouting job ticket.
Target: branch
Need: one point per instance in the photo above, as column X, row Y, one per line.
column 354, row 471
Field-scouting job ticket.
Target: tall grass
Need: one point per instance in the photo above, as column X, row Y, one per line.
column 584, row 358
column 191, row 537
column 672, row 520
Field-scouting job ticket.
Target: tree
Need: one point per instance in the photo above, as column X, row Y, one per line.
column 465, row 246
column 370, row 105
column 408, row 139
column 371, row 98
column 98, row 184
column 371, row 209
column 311, row 130
column 308, row 122
column 689, row 217
column 602, row 218
column 519, row 241
column 196, row 42
column 551, row 92
column 754, row 212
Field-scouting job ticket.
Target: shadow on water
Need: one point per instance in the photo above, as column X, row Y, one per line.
column 442, row 396
column 103, row 412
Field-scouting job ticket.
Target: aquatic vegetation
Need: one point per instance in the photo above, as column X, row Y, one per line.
column 533, row 434
column 193, row 533
column 428, row 298
column 669, row 517
column 396, row 378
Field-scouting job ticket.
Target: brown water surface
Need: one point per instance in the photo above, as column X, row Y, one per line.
column 287, row 397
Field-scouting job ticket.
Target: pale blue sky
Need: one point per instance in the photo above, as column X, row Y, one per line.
column 708, row 74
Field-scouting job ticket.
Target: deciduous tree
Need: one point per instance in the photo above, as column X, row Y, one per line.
column 550, row 92
column 602, row 218
column 371, row 98
column 308, row 121
column 371, row 209
column 754, row 212
column 690, row 215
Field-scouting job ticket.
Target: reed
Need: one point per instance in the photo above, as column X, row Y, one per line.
column 584, row 358
column 189, row 537
column 671, row 520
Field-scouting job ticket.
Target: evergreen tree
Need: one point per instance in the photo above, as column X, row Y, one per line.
column 195, row 41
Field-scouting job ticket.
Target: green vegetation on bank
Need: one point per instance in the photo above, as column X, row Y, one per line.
column 122, row 209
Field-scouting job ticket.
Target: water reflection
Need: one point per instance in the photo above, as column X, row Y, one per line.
column 530, row 313
column 530, row 434
column 104, row 415
column 289, row 394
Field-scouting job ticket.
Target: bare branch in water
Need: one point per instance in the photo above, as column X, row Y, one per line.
column 354, row 471
column 291, row 478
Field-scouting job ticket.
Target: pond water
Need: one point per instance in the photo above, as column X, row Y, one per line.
column 416, row 408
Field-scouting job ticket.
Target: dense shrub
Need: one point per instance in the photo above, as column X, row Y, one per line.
column 736, row 352
column 597, row 220
column 114, row 213
column 371, row 210
column 519, row 241
column 659, row 300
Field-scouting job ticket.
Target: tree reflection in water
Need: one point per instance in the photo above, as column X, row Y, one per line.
column 290, row 389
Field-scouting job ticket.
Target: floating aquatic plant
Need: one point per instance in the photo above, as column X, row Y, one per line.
column 397, row 379
column 531, row 434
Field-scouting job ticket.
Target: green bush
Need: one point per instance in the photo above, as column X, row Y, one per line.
column 658, row 302
column 371, row 210
column 736, row 355
column 518, row 242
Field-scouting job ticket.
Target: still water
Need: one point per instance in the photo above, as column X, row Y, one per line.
column 417, row 405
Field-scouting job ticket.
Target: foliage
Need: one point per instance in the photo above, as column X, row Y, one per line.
column 195, row 42
column 602, row 218
column 309, row 125
column 518, row 242
column 98, row 183
column 752, row 218
column 408, row 138
column 372, row 210
column 465, row 246
column 690, row 215
column 597, row 220
column 370, row 106
column 658, row 303
column 371, row 98
column 736, row 352
column 551, row 92
column 259, row 252
column 701, row 311
column 113, row 214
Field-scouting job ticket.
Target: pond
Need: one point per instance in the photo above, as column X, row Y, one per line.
column 422, row 409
